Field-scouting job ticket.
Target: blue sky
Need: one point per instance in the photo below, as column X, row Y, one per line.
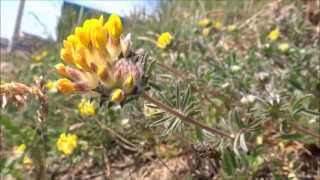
column 48, row 13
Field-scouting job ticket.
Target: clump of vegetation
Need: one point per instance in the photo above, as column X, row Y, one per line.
column 199, row 89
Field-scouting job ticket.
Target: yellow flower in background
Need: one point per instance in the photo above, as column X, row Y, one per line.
column 232, row 28
column 27, row 161
column 259, row 140
column 86, row 108
column 203, row 22
column 39, row 57
column 19, row 150
column 217, row 24
column 51, row 86
column 164, row 40
column 205, row 32
column 274, row 34
column 117, row 96
column 283, row 47
column 67, row 143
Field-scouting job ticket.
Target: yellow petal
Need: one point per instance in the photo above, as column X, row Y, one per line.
column 114, row 26
column 117, row 96
column 65, row 86
column 128, row 84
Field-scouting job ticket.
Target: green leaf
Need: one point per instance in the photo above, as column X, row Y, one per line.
column 160, row 121
column 186, row 97
column 228, row 162
column 292, row 137
column 8, row 125
column 199, row 134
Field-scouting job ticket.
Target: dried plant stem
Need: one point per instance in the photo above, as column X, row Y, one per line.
column 125, row 143
column 171, row 69
column 185, row 118
column 306, row 131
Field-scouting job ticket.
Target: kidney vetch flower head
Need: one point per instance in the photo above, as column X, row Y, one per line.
column 67, row 143
column 99, row 59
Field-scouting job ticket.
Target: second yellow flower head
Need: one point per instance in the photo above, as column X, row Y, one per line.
column 164, row 40
column 67, row 143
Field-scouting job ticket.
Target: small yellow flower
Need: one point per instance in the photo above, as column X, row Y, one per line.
column 232, row 28
column 67, row 143
column 274, row 34
column 235, row 68
column 128, row 84
column 205, row 32
column 164, row 40
column 39, row 57
column 51, row 86
column 259, row 140
column 117, row 96
column 27, row 161
column 19, row 150
column 283, row 47
column 217, row 25
column 86, row 108
column 203, row 22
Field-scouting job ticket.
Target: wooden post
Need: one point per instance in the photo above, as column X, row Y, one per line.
column 17, row 26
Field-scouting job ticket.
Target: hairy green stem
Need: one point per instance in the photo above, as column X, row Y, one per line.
column 185, row 118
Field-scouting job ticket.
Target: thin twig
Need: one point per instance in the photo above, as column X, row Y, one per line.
column 173, row 70
column 128, row 146
column 186, row 118
column 305, row 131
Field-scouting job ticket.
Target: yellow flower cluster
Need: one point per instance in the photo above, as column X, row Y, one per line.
column 232, row 28
column 38, row 57
column 51, row 86
column 203, row 22
column 217, row 25
column 94, row 51
column 164, row 40
column 67, row 143
column 274, row 34
column 86, row 108
column 208, row 25
column 18, row 152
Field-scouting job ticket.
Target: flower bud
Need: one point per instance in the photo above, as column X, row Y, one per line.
column 65, row 86
column 128, row 84
column 125, row 44
column 117, row 96
column 203, row 22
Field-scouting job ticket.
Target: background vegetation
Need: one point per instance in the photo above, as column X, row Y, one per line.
column 263, row 92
